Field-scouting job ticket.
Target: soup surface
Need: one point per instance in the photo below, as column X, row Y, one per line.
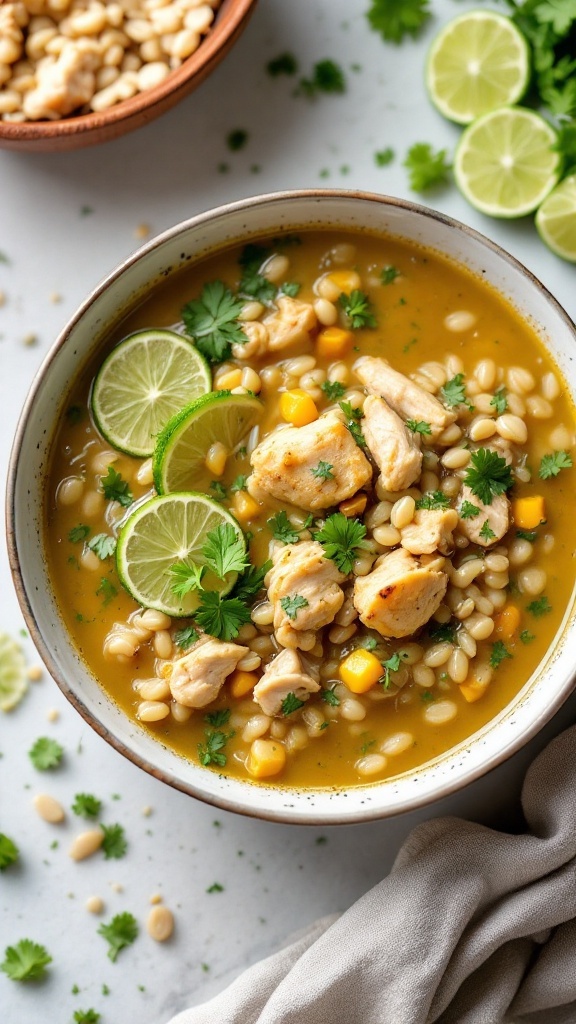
column 409, row 480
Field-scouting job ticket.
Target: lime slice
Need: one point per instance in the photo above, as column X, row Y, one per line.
column 477, row 62
column 13, row 681
column 162, row 532
column 504, row 164
column 181, row 448
column 556, row 219
column 142, row 383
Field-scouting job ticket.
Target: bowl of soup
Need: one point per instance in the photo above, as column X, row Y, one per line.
column 290, row 506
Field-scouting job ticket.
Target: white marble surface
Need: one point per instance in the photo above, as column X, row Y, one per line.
column 275, row 878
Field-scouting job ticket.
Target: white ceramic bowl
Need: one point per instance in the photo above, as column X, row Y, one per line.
column 539, row 698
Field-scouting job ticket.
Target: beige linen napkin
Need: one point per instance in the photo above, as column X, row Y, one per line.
column 472, row 926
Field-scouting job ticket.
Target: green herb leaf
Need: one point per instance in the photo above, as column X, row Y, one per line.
column 499, row 400
column 86, row 1017
column 215, row 887
column 292, row 604
column 327, row 77
column 499, row 654
column 107, row 590
column 529, row 535
column 86, row 806
column 358, row 309
column 329, row 697
column 419, row 427
column 333, row 390
column 282, row 528
column 382, row 158
column 489, row 475
column 253, row 284
column 186, row 577
column 395, row 19
column 9, row 852
column 453, row 392
column 433, row 500
column 290, row 288
column 391, row 665
column 102, row 544
column 185, row 637
column 251, row 582
column 541, row 606
column 212, row 321
column 284, row 64
column 236, row 139
column 45, row 753
column 115, row 488
column 323, row 471
column 78, row 533
column 121, row 931
column 368, row 643
column 426, row 167
column 114, row 844
column 389, row 274
column 341, row 539
column 469, row 510
column 222, row 617
column 351, row 411
column 486, row 531
column 225, row 551
column 218, row 718
column 441, row 631
column 26, row 961
column 291, row 703
column 526, row 637
column 211, row 752
column 550, row 465
column 218, row 489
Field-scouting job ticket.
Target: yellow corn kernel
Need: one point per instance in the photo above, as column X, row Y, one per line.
column 230, row 379
column 529, row 512
column 473, row 690
column 244, row 507
column 267, row 757
column 334, row 343
column 345, row 280
column 241, row 682
column 297, row 408
column 216, row 457
column 361, row 670
column 353, row 506
column 166, row 670
column 507, row 621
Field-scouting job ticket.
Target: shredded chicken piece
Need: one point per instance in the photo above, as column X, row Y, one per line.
column 302, row 570
column 395, row 449
column 284, row 675
column 290, row 324
column 497, row 515
column 284, row 463
column 256, row 343
column 430, row 530
column 198, row 677
column 400, row 595
column 408, row 399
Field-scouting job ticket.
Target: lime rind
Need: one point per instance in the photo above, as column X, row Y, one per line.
column 504, row 164
column 163, row 531
column 181, row 447
column 556, row 219
column 142, row 383
column 478, row 62
column 13, row 679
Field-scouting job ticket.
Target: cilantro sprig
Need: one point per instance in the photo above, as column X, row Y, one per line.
column 45, row 753
column 212, row 751
column 9, row 852
column 551, row 465
column 433, row 500
column 114, row 844
column 342, row 540
column 26, row 961
column 488, row 475
column 426, row 167
column 292, row 603
column 419, row 427
column 357, row 309
column 395, row 19
column 120, row 932
column 212, row 321
column 115, row 488
column 291, row 703
column 86, row 805
column 453, row 392
column 392, row 664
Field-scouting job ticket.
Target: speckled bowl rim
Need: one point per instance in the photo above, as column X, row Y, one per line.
column 298, row 806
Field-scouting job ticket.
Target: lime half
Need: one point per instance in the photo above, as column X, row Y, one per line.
column 504, row 164
column 556, row 219
column 142, row 383
column 477, row 62
column 164, row 532
column 182, row 447
column 13, row 681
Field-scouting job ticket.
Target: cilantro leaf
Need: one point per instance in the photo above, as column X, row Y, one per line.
column 388, row 274
column 184, row 638
column 438, row 631
column 78, row 533
column 251, row 582
column 391, row 665
column 239, row 484
column 218, row 718
column 26, row 961
column 211, row 752
column 353, row 416
column 107, row 590
column 560, row 14
column 382, row 158
column 253, row 283
column 327, row 77
column 419, row 427
column 86, row 805
column 291, row 703
column 9, row 852
column 290, row 288
column 323, row 471
column 489, row 475
column 526, row 637
column 102, row 544
column 292, row 605
column 341, row 539
column 395, row 19
column 425, row 167
column 284, row 64
column 499, row 400
column 121, row 931
column 222, row 617
column 550, row 465
column 329, row 697
column 114, row 844
column 282, row 528
column 499, row 653
column 45, row 753
column 358, row 309
column 351, row 411
column 486, row 531
column 186, row 577
column 529, row 535
column 212, row 321
column 468, row 510
column 86, row 1017
column 115, row 488
column 236, row 139
column 368, row 643
column 541, row 606
column 453, row 392
column 433, row 500
column 333, row 390
column 225, row 551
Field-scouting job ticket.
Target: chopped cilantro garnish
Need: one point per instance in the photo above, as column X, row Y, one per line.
column 351, row 411
column 186, row 578
column 284, row 64
column 395, row 19
column 184, row 638
column 327, row 77
column 468, row 510
column 419, row 427
column 530, row 535
column 86, row 805
column 114, row 844
column 391, row 665
column 86, row 1017
column 45, row 753
column 323, row 471
column 382, row 158
column 527, row 637
column 103, row 545
column 499, row 400
column 541, row 606
column 74, row 414
column 78, row 533
column 368, row 643
column 426, row 167
column 253, row 284
column 438, row 631
column 282, row 528
column 388, row 274
column 211, row 752
column 342, row 539
column 26, row 961
column 486, row 532
column 119, row 933
column 116, row 489
column 489, row 475
column 433, row 500
column 106, row 590
column 218, row 718
column 329, row 697
column 9, row 852
column 426, row 696
column 358, row 309
column 212, row 321
column 499, row 653
column 290, row 288
column 291, row 703
column 291, row 605
column 222, row 617
column 333, row 390
column 251, row 582
column 224, row 551
column 218, row 489
column 550, row 465
column 453, row 392
column 237, row 139
column 215, row 887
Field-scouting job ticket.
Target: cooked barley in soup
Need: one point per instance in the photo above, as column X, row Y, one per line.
column 310, row 518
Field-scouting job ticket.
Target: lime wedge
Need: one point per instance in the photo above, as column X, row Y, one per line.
column 556, row 219
column 161, row 533
column 182, row 447
column 13, row 681
column 142, row 383
column 504, row 164
column 479, row 61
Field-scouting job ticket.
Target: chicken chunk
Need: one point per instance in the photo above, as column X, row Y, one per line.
column 497, row 515
column 302, row 571
column 395, row 449
column 406, row 398
column 256, row 343
column 284, row 463
column 198, row 677
column 282, row 676
column 429, row 531
column 66, row 84
column 400, row 595
column 289, row 324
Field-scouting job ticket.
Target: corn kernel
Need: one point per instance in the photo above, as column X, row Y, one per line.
column 297, row 408
column 244, row 507
column 361, row 670
column 507, row 621
column 345, row 280
column 242, row 683
column 353, row 506
column 529, row 512
column 334, row 343
column 473, row 690
column 267, row 757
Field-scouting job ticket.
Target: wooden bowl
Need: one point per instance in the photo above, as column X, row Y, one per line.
column 90, row 129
